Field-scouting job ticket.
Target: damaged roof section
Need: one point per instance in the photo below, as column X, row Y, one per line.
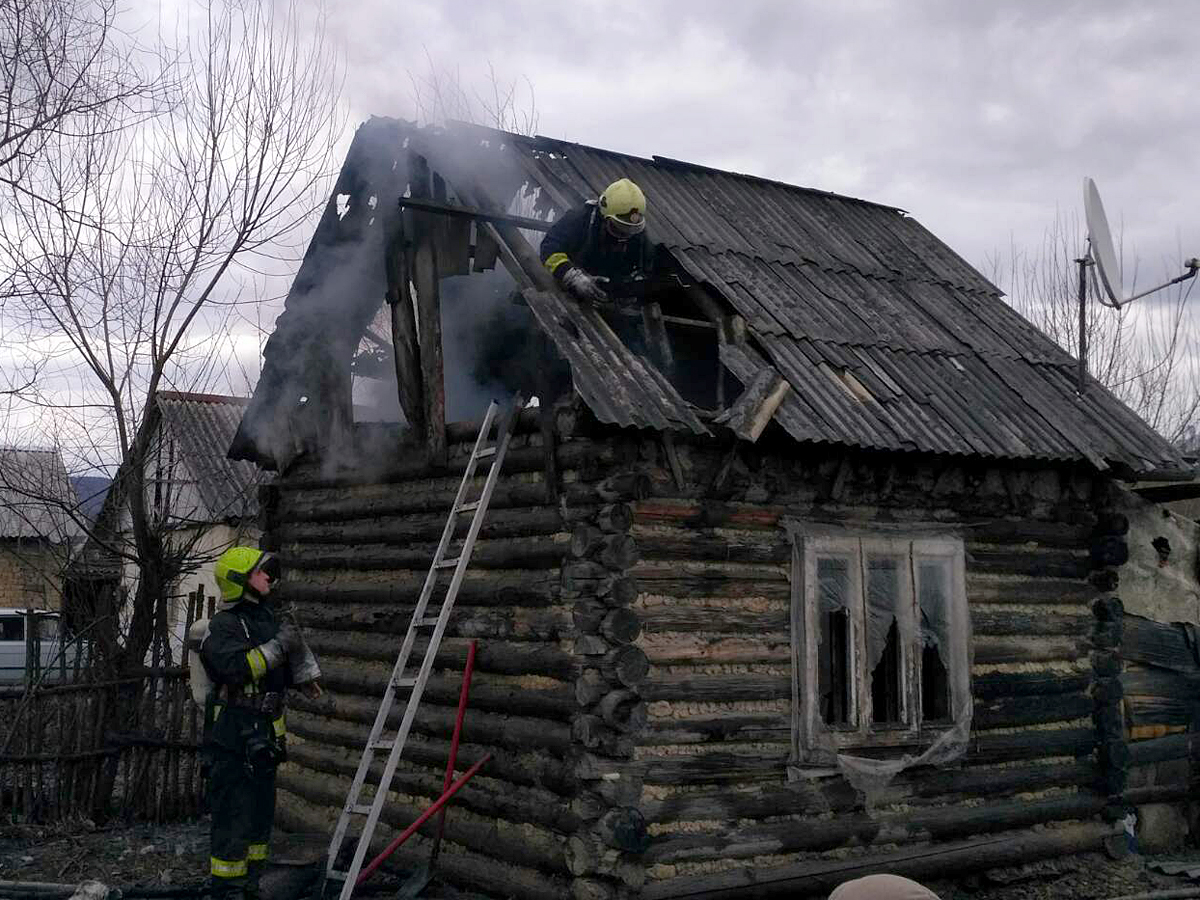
column 886, row 338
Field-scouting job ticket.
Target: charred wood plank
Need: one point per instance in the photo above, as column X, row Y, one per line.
column 405, row 347
column 1033, row 624
column 1157, row 644
column 990, row 650
column 752, row 411
column 429, row 327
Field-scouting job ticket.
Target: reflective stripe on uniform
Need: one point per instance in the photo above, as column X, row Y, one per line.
column 227, row 868
column 280, row 727
column 217, row 707
column 258, row 663
column 554, row 260
column 257, row 852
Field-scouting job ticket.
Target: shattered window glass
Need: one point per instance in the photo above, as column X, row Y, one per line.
column 933, row 596
column 834, row 669
column 885, row 659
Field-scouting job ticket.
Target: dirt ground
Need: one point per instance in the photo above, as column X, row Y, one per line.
column 177, row 855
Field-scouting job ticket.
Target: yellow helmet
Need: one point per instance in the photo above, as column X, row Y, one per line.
column 623, row 206
column 233, row 569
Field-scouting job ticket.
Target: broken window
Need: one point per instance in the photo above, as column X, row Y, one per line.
column 880, row 641
column 834, row 641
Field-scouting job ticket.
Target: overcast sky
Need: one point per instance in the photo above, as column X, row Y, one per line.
column 980, row 119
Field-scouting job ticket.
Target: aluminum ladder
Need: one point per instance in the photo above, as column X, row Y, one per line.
column 420, row 624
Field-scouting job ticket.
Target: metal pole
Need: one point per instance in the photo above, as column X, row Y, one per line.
column 1084, row 262
column 450, row 763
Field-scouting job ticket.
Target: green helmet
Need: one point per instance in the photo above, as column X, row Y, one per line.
column 233, row 569
column 623, row 206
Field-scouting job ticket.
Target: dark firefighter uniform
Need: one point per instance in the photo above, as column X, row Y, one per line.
column 244, row 739
column 597, row 249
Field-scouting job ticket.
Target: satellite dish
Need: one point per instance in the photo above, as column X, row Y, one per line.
column 1104, row 255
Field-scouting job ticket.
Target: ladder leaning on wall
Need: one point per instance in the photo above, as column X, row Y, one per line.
column 420, row 624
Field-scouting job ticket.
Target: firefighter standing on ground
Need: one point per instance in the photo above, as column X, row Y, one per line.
column 596, row 249
column 245, row 656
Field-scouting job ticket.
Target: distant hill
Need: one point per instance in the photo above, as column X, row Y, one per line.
column 91, row 490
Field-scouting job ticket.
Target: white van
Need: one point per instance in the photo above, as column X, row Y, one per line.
column 14, row 625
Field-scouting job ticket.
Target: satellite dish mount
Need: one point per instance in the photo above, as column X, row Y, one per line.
column 1106, row 271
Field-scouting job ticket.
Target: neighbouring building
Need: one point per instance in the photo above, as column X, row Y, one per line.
column 809, row 562
column 38, row 528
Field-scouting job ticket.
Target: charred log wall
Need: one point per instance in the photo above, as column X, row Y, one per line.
column 713, row 603
column 356, row 556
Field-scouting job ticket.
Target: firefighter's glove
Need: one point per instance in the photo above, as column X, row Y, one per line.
column 289, row 637
column 584, row 286
column 273, row 653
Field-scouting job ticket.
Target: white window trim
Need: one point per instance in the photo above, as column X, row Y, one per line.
column 814, row 744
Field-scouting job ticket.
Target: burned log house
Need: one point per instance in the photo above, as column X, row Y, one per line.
column 801, row 568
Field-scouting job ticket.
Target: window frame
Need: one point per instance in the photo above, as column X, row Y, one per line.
column 815, row 743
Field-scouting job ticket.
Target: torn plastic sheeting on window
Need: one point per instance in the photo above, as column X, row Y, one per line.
column 883, row 604
column 870, row 777
column 933, row 601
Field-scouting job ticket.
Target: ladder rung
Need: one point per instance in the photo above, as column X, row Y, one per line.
column 485, row 453
column 336, row 875
column 427, row 622
column 404, row 682
column 469, row 507
column 448, row 563
column 383, row 745
column 360, row 809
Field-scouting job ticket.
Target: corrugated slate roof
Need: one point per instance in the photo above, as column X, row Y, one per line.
column 36, row 496
column 203, row 425
column 890, row 340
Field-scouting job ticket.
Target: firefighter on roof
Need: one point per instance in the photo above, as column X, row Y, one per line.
column 596, row 250
column 244, row 655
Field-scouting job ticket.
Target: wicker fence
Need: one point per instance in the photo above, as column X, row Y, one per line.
column 75, row 745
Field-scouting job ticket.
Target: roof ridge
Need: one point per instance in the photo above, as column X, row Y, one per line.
column 193, row 397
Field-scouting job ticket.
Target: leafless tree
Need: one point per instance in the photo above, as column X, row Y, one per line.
column 61, row 61
column 126, row 275
column 440, row 95
column 1145, row 353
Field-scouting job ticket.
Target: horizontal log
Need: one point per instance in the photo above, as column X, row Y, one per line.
column 1026, row 562
column 1157, row 644
column 683, row 648
column 745, row 546
column 479, row 587
column 1003, row 622
column 545, row 552
column 513, row 623
column 534, row 849
column 556, row 702
column 500, row 657
column 1014, row 589
column 992, row 650
column 716, row 688
column 518, row 766
column 715, row 768
column 623, row 710
column 485, row 795
column 417, row 527
column 590, row 687
column 819, row 877
column 625, row 665
column 730, row 726
column 593, row 733
column 998, row 685
column 615, row 517
column 665, row 618
column 513, row 732
column 1033, row 744
column 1013, row 712
column 741, row 841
